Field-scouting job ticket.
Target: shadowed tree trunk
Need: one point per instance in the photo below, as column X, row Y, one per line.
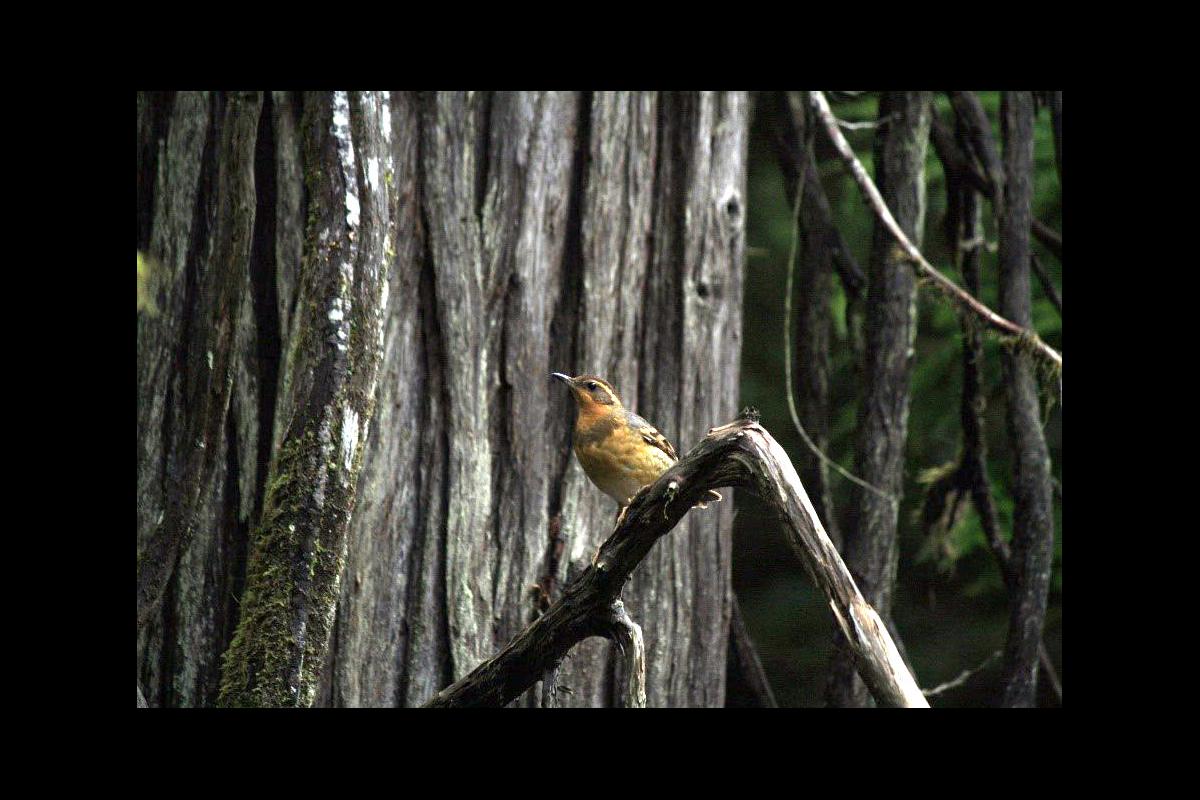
column 870, row 549
column 822, row 249
column 1033, row 519
column 500, row 237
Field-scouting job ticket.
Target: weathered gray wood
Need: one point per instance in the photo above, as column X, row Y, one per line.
column 298, row 551
column 741, row 454
column 189, row 357
column 526, row 238
column 870, row 547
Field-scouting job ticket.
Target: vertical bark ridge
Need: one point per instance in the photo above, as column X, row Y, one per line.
column 299, row 549
column 615, row 225
column 203, row 241
column 521, row 234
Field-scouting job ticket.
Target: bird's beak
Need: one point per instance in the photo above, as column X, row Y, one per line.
column 564, row 378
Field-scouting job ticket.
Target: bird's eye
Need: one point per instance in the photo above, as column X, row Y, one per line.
column 592, row 385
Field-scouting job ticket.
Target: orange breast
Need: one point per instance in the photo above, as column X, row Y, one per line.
column 621, row 463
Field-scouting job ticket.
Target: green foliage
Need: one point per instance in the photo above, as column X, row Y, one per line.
column 950, row 598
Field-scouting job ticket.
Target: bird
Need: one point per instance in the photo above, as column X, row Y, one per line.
column 619, row 451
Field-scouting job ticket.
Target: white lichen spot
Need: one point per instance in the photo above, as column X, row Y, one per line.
column 292, row 528
column 323, row 236
column 210, row 359
column 335, row 313
column 349, row 437
column 345, row 146
column 373, row 173
column 385, row 121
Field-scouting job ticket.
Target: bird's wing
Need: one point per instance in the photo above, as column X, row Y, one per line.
column 651, row 435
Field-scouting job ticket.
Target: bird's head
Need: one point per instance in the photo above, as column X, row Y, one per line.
column 592, row 395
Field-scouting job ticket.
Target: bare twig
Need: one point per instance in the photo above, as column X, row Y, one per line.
column 741, row 454
column 923, row 267
column 866, row 125
column 962, row 678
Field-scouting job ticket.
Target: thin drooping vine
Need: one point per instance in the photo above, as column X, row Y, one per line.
column 951, row 290
column 787, row 330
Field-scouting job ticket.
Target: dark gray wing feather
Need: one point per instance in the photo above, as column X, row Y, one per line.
column 651, row 435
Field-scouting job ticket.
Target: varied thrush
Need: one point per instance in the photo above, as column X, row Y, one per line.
column 619, row 451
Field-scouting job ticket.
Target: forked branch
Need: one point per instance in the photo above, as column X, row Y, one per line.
column 961, row 298
column 741, row 454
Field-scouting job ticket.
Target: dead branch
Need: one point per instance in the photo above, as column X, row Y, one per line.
column 628, row 635
column 970, row 475
column 741, row 454
column 963, row 676
column 923, row 267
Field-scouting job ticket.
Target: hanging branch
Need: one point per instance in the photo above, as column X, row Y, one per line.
column 741, row 454
column 798, row 166
column 923, row 267
column 970, row 475
column 978, row 142
column 1033, row 519
column 797, row 200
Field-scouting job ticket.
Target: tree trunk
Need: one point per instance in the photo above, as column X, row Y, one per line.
column 1033, row 519
column 870, row 533
column 522, row 233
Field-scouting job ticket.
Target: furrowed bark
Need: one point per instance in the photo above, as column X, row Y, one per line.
column 741, row 454
column 870, row 536
column 204, row 340
column 564, row 210
column 298, row 551
column 1033, row 520
column 662, row 246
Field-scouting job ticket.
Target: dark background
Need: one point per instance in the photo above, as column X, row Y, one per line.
column 950, row 603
